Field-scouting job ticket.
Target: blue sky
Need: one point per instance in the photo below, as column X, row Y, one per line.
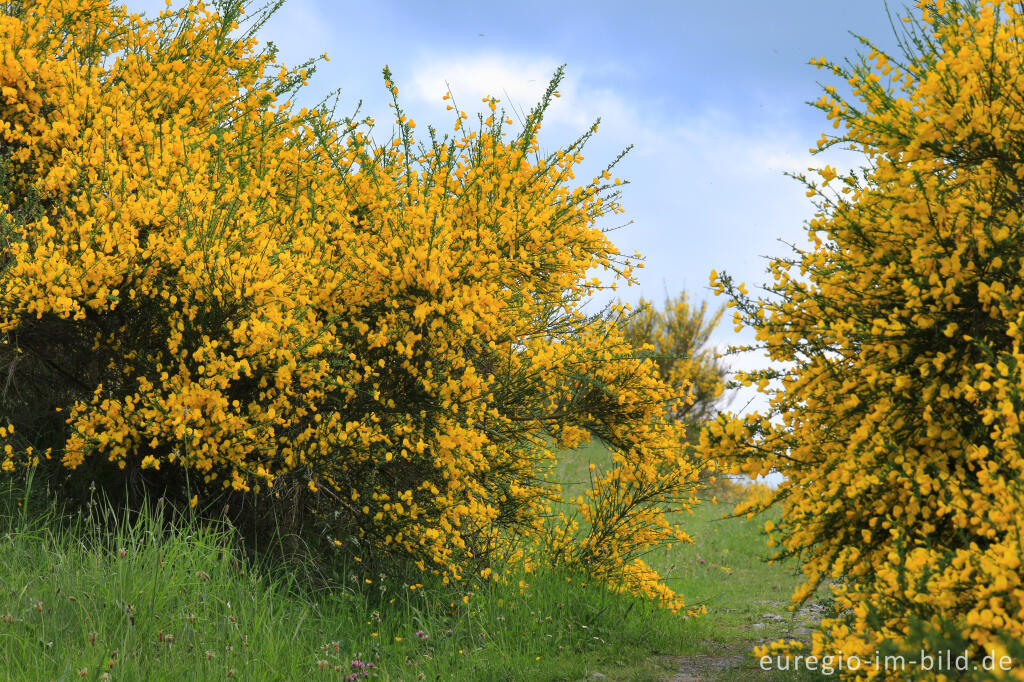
column 712, row 95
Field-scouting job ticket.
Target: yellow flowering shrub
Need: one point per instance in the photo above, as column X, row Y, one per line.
column 895, row 416
column 209, row 295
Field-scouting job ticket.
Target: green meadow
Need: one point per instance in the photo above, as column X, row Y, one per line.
column 102, row 597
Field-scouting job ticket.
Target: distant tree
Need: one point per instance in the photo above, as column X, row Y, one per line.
column 677, row 337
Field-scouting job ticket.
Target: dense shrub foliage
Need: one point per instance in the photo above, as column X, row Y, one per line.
column 209, row 295
column 897, row 419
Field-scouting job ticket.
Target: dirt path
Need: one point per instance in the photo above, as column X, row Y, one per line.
column 732, row 660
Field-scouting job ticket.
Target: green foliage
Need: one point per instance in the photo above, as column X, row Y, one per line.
column 167, row 595
column 140, row 599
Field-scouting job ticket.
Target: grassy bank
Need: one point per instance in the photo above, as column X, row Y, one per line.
column 140, row 601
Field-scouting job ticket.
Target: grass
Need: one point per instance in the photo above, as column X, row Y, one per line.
column 725, row 570
column 136, row 600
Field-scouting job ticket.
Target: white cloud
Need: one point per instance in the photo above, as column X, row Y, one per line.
column 519, row 80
